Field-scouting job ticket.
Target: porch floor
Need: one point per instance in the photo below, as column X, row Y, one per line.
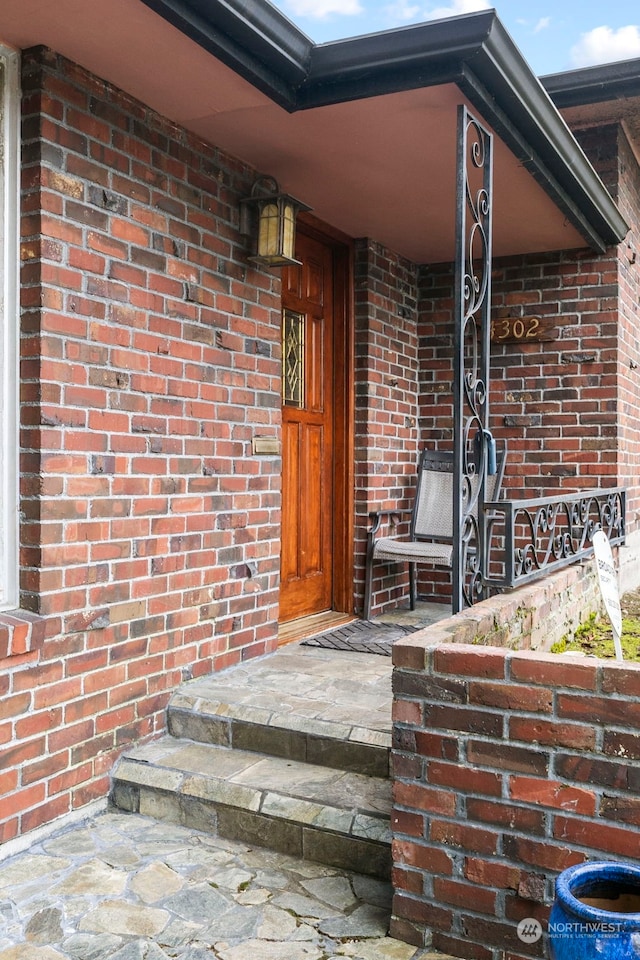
column 344, row 695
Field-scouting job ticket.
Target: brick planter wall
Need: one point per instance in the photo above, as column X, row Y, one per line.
column 509, row 766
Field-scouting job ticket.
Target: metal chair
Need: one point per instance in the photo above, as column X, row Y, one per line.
column 431, row 530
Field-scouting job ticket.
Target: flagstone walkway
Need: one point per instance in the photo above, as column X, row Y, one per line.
column 125, row 887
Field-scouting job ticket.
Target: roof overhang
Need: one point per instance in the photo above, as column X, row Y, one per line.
column 599, row 95
column 363, row 130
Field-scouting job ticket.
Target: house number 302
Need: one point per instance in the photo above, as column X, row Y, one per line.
column 517, row 328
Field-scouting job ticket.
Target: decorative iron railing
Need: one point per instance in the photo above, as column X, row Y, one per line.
column 528, row 539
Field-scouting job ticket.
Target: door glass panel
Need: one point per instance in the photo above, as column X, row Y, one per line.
column 293, row 358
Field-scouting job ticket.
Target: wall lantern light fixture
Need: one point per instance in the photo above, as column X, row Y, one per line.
column 269, row 218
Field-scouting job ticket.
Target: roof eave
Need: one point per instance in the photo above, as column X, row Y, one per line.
column 255, row 40
column 610, row 81
column 474, row 51
column 539, row 136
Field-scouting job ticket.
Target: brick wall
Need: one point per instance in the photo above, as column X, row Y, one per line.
column 559, row 408
column 150, row 358
column 628, row 377
column 553, row 401
column 386, row 375
column 509, row 767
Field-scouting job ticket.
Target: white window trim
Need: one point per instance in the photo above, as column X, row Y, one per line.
column 9, row 322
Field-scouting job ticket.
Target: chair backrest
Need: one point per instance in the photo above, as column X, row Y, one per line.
column 432, row 517
column 433, row 508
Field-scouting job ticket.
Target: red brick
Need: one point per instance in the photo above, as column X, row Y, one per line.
column 405, row 766
column 621, row 775
column 429, row 859
column 468, row 896
column 424, row 799
column 460, row 947
column 71, row 734
column 620, row 744
column 552, row 732
column 624, row 680
column 436, row 745
column 29, row 679
column 35, row 723
column 550, row 793
column 517, row 907
column 21, row 800
column 405, row 822
column 15, row 706
column 549, row 669
column 85, row 707
column 543, row 854
column 491, row 873
column 448, row 718
column 464, row 778
column 407, row 711
column 410, row 880
column 621, row 809
column 470, row 661
column 44, row 769
column 489, row 931
column 605, row 838
column 411, row 908
column 56, row 693
column 45, row 813
column 508, row 696
column 504, row 756
column 598, row 710
column 468, row 838
column 65, row 781
column 501, row 814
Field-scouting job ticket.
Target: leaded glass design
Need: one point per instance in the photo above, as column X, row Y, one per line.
column 293, row 358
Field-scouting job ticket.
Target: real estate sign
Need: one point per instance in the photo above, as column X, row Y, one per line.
column 608, row 579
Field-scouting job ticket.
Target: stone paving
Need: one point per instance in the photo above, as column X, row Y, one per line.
column 125, row 887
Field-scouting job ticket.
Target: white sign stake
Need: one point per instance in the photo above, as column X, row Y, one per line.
column 608, row 580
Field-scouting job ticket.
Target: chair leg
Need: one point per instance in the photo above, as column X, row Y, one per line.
column 368, row 579
column 412, row 586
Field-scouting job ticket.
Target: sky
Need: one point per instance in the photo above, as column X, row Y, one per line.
column 553, row 35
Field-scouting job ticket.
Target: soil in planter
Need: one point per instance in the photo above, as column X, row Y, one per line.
column 595, row 637
column 614, row 903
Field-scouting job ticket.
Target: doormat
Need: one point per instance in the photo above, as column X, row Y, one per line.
column 361, row 636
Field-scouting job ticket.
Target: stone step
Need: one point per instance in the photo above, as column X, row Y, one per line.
column 303, row 704
column 314, row 812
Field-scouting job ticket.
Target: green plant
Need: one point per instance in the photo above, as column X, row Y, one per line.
column 595, row 638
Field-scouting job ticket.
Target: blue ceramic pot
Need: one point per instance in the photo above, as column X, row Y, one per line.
column 596, row 913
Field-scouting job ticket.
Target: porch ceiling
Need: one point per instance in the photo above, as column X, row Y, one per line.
column 376, row 159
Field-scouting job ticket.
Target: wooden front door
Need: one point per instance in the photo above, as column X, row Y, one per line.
column 308, row 476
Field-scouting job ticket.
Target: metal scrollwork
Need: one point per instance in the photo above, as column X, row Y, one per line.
column 549, row 533
column 471, row 373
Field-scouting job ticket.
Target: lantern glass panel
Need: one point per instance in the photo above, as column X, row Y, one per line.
column 268, row 232
column 288, row 230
